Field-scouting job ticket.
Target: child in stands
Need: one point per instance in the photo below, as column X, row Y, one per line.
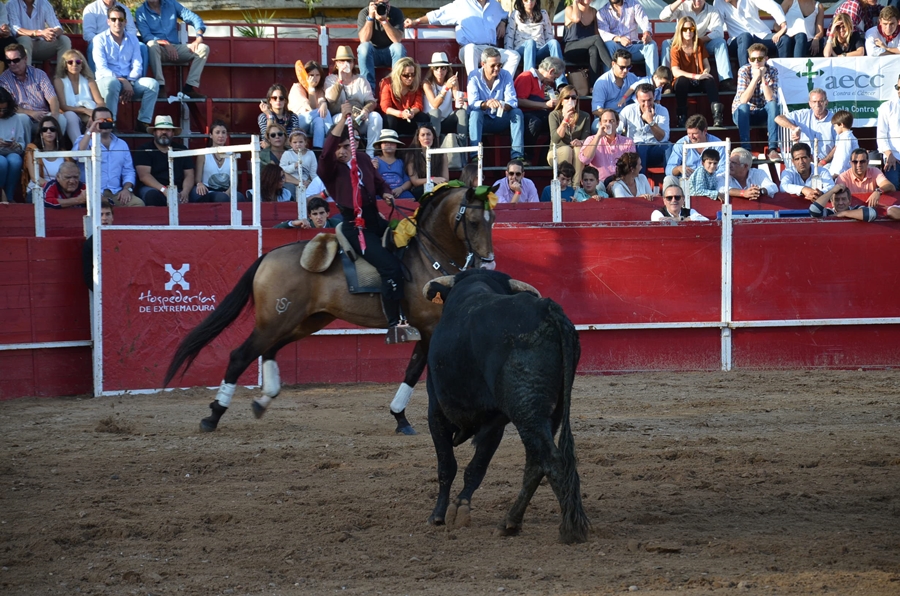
column 845, row 142
column 703, row 181
column 299, row 161
column 565, row 173
column 591, row 187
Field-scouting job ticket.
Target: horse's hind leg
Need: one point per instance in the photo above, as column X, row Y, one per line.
column 413, row 373
column 240, row 359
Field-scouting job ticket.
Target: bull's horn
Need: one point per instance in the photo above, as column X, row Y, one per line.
column 446, row 280
column 521, row 286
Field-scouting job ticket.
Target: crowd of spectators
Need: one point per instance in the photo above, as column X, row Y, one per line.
column 517, row 77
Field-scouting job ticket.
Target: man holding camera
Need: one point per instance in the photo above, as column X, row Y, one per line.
column 380, row 35
column 117, row 175
column 120, row 69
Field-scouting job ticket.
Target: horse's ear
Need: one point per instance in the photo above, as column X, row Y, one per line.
column 438, row 289
column 495, row 187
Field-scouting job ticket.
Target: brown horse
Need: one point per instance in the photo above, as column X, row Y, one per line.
column 453, row 233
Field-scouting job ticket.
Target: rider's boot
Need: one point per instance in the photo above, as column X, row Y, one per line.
column 399, row 330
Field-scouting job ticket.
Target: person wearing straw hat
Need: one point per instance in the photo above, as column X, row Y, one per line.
column 444, row 100
column 151, row 163
column 345, row 85
column 391, row 168
column 380, row 29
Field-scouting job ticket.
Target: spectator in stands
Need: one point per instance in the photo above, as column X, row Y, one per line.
column 479, row 24
column 747, row 182
column 443, row 97
column 805, row 29
column 469, row 174
column 840, row 206
column 533, row 88
column 861, row 178
column 624, row 25
column 530, row 33
column 660, row 81
column 704, row 181
column 12, row 146
column 94, row 22
column 306, row 99
column 710, row 32
column 493, row 104
column 213, row 170
column 845, row 143
column 415, row 161
column 843, row 39
column 863, row 14
column 583, row 41
column 888, row 136
column 117, row 174
column 34, row 93
column 6, row 35
column 43, row 170
column 696, row 132
column 756, row 99
column 37, row 29
column 121, row 68
column 893, row 211
column 591, row 188
column 647, row 124
column 67, row 189
column 77, row 92
column 565, row 173
column 569, row 127
column 272, row 187
column 152, row 166
column 629, row 182
column 812, row 124
column 274, row 111
column 380, row 29
column 345, row 85
column 611, row 87
column 802, row 180
column 673, row 209
column 401, row 98
column 690, row 66
column 884, row 38
column 298, row 160
column 157, row 20
column 603, row 149
column 391, row 168
column 317, row 217
column 276, row 139
column 746, row 28
column 515, row 187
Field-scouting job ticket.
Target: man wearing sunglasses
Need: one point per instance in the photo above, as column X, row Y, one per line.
column 94, row 22
column 673, row 209
column 611, row 86
column 151, row 162
column 32, row 89
column 756, row 99
column 888, row 136
column 862, row 178
column 515, row 187
column 120, row 71
column 840, row 206
column 36, row 27
column 117, row 175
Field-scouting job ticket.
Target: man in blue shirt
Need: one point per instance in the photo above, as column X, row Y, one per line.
column 611, row 86
column 117, row 175
column 94, row 22
column 696, row 129
column 120, row 69
column 493, row 105
column 157, row 20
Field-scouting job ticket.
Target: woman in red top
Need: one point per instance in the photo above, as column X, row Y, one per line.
column 401, row 98
column 690, row 66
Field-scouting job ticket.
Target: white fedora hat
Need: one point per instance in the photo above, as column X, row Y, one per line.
column 439, row 59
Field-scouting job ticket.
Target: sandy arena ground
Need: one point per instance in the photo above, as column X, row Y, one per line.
column 704, row 483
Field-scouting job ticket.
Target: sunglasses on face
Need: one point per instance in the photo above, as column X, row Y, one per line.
column 275, row 135
column 276, row 98
column 674, row 198
column 859, row 161
column 896, row 87
column 624, row 67
column 48, row 129
column 516, row 174
column 440, row 67
column 408, row 75
column 13, row 60
column 757, row 58
column 688, row 29
column 73, row 61
column 117, row 19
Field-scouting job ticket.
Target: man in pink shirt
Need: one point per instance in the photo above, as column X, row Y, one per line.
column 861, row 178
column 603, row 149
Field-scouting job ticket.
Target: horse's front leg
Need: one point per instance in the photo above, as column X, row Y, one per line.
column 414, row 371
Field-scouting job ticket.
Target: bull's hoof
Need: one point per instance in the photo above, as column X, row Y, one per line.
column 507, row 529
column 435, row 520
column 403, row 425
column 458, row 515
column 209, row 424
column 258, row 410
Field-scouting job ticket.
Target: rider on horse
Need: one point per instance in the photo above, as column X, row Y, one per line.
column 334, row 171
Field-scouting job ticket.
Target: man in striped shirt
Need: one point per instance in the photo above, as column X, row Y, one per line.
column 32, row 89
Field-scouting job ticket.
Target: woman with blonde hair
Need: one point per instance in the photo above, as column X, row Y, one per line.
column 276, row 137
column 843, row 39
column 690, row 67
column 77, row 92
column 401, row 98
column 569, row 127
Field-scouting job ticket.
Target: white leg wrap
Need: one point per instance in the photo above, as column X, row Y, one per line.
column 271, row 379
column 401, row 399
column 226, row 392
column 264, row 401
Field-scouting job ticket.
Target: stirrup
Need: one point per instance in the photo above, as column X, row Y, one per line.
column 402, row 333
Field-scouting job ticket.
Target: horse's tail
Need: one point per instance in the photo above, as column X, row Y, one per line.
column 223, row 316
column 575, row 524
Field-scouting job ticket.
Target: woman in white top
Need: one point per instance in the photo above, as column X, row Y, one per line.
column 307, row 100
column 43, row 170
column 77, row 92
column 530, row 33
column 805, row 29
column 213, row 171
column 629, row 181
column 441, row 87
column 345, row 85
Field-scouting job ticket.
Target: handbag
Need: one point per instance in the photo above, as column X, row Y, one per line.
column 579, row 80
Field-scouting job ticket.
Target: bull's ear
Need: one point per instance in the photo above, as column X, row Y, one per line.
column 439, row 287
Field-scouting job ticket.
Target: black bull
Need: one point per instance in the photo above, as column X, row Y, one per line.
column 502, row 354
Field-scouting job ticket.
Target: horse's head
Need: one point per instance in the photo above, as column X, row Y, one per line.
column 474, row 223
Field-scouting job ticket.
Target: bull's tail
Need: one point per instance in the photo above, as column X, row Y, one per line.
column 223, row 316
column 575, row 525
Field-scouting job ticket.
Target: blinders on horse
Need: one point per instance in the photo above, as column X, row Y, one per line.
column 460, row 218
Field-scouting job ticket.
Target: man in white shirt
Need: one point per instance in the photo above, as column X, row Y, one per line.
column 884, row 39
column 747, row 182
column 802, row 179
column 888, row 137
column 647, row 124
column 710, row 32
column 38, row 30
column 93, row 23
column 811, row 124
column 745, row 27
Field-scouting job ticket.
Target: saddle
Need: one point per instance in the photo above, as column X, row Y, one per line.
column 319, row 254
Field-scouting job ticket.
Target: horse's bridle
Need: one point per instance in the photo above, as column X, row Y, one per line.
column 460, row 217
